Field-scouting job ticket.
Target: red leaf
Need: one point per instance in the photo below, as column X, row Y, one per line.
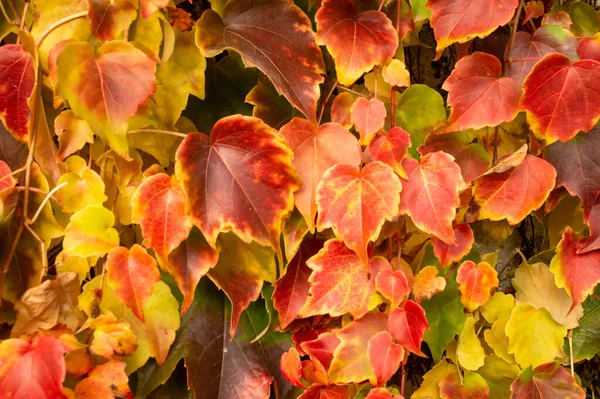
column 391, row 149
column 291, row 290
column 477, row 94
column 340, row 109
column 314, row 373
column 393, row 285
column 356, row 203
column 384, row 356
column 562, row 98
column 322, row 348
column 593, row 241
column 32, row 369
column 325, row 392
column 547, row 381
column 240, row 179
column 368, row 116
column 476, row 282
column 313, row 155
column 589, row 48
column 291, row 367
column 17, row 75
column 356, row 42
column 459, row 22
column 132, row 274
column 453, row 253
column 431, row 195
column 472, row 386
column 408, row 324
column 379, row 393
column 110, row 18
column 6, row 179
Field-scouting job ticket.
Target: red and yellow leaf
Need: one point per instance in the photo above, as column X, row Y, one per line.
column 546, row 381
column 322, row 348
column 150, row 6
column 109, row 19
column 407, row 325
column 109, row 377
column 476, row 283
column 427, row 283
column 291, row 367
column 392, row 285
column 471, row 386
column 391, row 149
column 384, row 355
column 6, row 179
column 533, row 9
column 453, row 253
column 589, row 48
column 368, row 116
column 317, row 391
column 112, row 337
column 340, row 109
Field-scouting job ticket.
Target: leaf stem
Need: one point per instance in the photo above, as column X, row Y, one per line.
column 23, row 16
column 325, row 102
column 168, row 132
column 42, row 248
column 381, row 5
column 351, row 91
column 513, row 34
column 392, row 106
column 44, row 201
column 16, row 172
column 570, row 337
column 58, row 23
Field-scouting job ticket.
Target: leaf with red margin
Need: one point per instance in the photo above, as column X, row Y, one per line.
column 577, row 164
column 477, row 94
column 6, row 179
column 577, row 273
column 407, row 325
column 240, row 273
column 561, row 98
column 322, row 348
column 32, row 369
column 276, row 37
column 313, row 155
column 368, row 116
column 239, row 179
column 158, row 206
column 357, row 42
column 589, row 48
column 453, row 253
column 547, row 381
column 513, row 193
column 150, row 6
column 291, row 367
column 351, row 362
column 187, row 263
column 460, row 22
column 384, row 356
column 391, row 149
column 476, row 283
column 17, row 75
column 392, row 285
column 431, row 195
column 325, row 392
column 132, row 274
column 291, row 290
column 338, row 283
column 109, row 19
column 471, row 386
column 356, row 203
column 109, row 377
column 340, row 109
column 529, row 49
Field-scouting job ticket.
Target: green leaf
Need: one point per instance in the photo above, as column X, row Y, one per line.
column 586, row 337
column 420, row 110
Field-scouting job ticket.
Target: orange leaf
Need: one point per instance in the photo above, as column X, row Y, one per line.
column 340, row 109
column 391, row 149
column 108, row 377
column 109, row 19
column 472, row 386
column 112, row 337
column 291, row 367
column 453, row 253
column 427, row 284
column 368, row 116
column 547, row 381
column 322, row 348
column 384, row 356
column 476, row 283
column 150, row 6
column 392, row 285
column 408, row 324
column 317, row 391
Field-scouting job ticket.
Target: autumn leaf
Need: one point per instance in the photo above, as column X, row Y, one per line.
column 150, row 6
column 109, row 377
column 476, row 283
column 553, row 75
column 470, row 353
column 291, row 367
column 317, row 391
column 430, row 388
column 453, row 253
column 283, row 48
column 269, row 106
column 586, row 337
column 249, row 157
column 499, row 306
column 427, row 284
column 83, row 186
column 498, row 341
column 391, row 149
column 73, row 133
column 340, row 109
column 430, row 196
column 180, row 19
column 546, row 381
column 391, row 284
column 356, row 203
column 6, row 179
column 112, row 337
column 384, row 355
column 471, row 386
column 109, row 19
column 396, row 74
column 368, row 116
column 357, row 42
column 313, row 156
column 407, row 325
column 322, row 348
column 420, row 110
column 90, row 232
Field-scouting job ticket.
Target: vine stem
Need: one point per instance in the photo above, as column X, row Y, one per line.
column 44, row 201
column 513, row 34
column 570, row 337
column 325, row 102
column 42, row 248
column 23, row 16
column 16, row 172
column 58, row 23
column 351, row 91
column 403, row 380
column 169, row 132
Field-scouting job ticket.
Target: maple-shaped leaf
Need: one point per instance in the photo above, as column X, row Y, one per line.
column 132, row 274
column 6, row 179
column 560, row 98
column 105, row 379
column 33, row 368
column 150, row 6
column 512, row 192
column 391, row 284
column 18, row 76
column 283, row 48
column 240, row 179
column 351, row 362
column 453, row 253
column 408, row 324
column 471, row 386
column 291, row 290
column 460, row 22
column 291, row 367
column 384, row 355
column 158, row 206
column 73, row 133
column 317, row 391
column 84, row 186
column 477, row 94
column 338, row 283
column 391, row 149
column 431, row 194
column 543, row 341
column 577, row 273
column 589, row 48
column 357, row 42
column 105, row 87
column 313, row 156
column 529, row 49
column 368, row 116
column 577, row 164
column 476, row 283
column 90, row 232
column 356, row 203
column 112, row 337
column 427, row 284
column 546, row 381
column 109, row 19
column 340, row 109
column 469, row 353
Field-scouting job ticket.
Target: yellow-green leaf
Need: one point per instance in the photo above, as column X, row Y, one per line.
column 90, row 232
column 470, row 352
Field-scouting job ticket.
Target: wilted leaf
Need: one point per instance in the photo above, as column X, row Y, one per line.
column 546, row 381
column 72, row 134
column 427, row 284
column 112, row 337
column 408, row 324
column 109, row 377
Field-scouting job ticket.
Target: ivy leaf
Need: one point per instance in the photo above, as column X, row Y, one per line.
column 430, row 388
column 340, row 109
column 109, row 19
column 586, row 337
column 83, row 77
column 499, row 375
column 589, row 48
column 476, row 283
column 357, row 42
column 427, row 284
column 384, row 356
column 396, row 74
column 477, row 94
column 408, row 324
column 325, row 392
column 420, row 110
column 453, row 253
column 90, row 232
column 291, row 367
column 497, row 339
column 269, row 106
column 499, row 306
column 391, row 149
column 356, row 203
column 313, row 156
column 32, row 368
column 283, row 48
column 469, row 352
column 471, row 386
column 546, row 381
column 291, row 290
column 431, row 195
column 252, row 161
column 72, row 134
column 368, row 117
column 459, row 23
column 150, row 6
column 577, row 273
column 391, row 284
column 104, row 381
column 380, row 393
column 112, row 337
column 543, row 341
column 84, row 186
column 553, row 75
column 18, row 76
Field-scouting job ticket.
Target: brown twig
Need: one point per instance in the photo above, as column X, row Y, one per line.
column 513, row 34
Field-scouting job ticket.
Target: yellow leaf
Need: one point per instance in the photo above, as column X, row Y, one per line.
column 499, row 375
column 497, row 307
column 496, row 338
column 470, row 352
column 84, row 186
column 89, row 233
column 430, row 388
